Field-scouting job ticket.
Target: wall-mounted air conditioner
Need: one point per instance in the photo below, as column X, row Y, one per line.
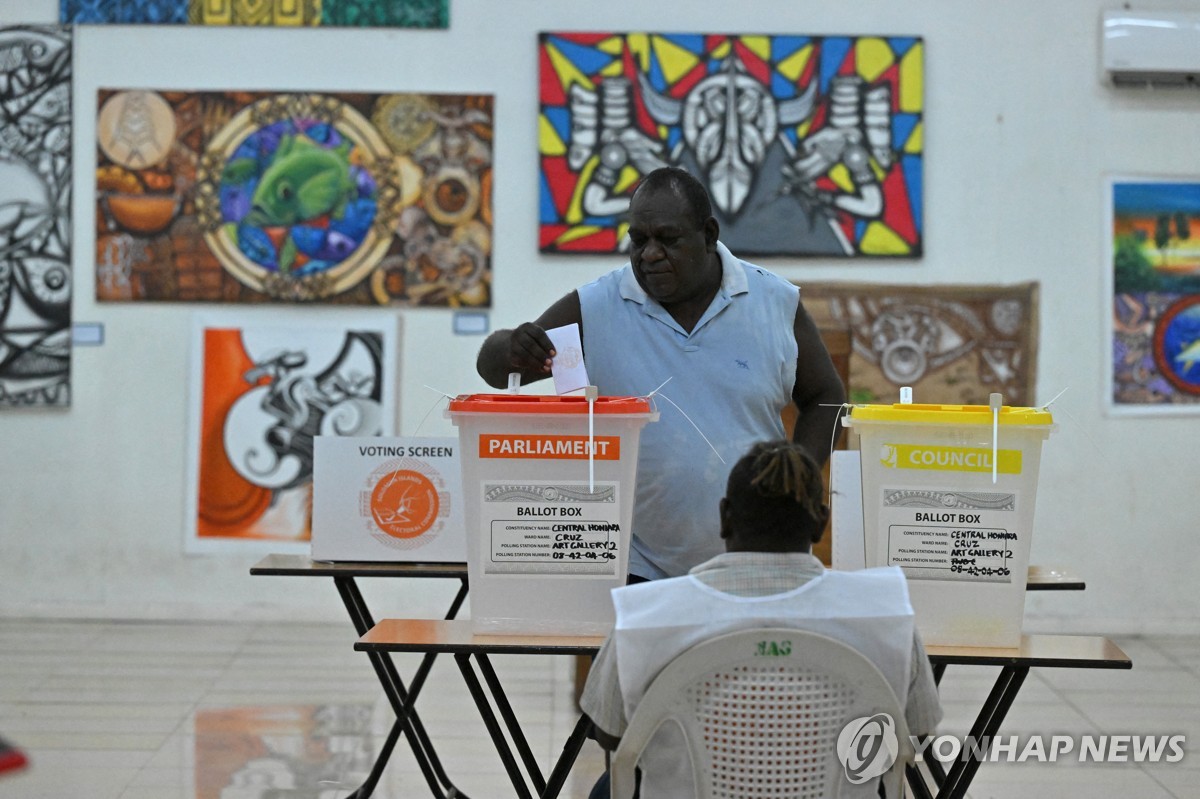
column 1156, row 48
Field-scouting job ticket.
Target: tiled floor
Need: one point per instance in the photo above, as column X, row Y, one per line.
column 110, row 710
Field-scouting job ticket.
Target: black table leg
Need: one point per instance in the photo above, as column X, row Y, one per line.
column 493, row 726
column 545, row 789
column 987, row 723
column 953, row 785
column 510, row 721
column 402, row 700
column 916, row 782
column 567, row 759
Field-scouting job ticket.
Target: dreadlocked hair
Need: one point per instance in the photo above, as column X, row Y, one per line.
column 787, row 470
column 777, row 486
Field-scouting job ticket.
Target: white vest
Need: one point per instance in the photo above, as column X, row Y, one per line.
column 656, row 621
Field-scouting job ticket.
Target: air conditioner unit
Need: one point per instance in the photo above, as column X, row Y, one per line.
column 1155, row 48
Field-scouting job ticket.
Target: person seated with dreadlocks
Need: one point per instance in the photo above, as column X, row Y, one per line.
column 772, row 513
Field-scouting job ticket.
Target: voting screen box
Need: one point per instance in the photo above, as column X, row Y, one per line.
column 388, row 499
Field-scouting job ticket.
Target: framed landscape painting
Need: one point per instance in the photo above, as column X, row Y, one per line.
column 1154, row 273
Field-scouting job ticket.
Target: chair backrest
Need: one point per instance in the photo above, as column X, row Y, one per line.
column 761, row 710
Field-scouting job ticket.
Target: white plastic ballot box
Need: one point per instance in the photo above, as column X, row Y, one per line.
column 548, row 507
column 948, row 494
column 388, row 499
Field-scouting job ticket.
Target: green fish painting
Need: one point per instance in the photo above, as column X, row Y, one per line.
column 303, row 182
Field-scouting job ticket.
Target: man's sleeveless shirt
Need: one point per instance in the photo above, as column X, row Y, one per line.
column 731, row 376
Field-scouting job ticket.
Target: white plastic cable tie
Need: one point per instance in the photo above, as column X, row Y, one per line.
column 591, row 392
column 1077, row 424
column 441, row 395
column 845, row 406
column 995, row 402
column 660, row 385
column 1046, row 407
column 693, row 424
column 514, row 382
column 906, row 395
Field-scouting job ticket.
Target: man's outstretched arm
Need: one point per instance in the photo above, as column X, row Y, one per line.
column 526, row 348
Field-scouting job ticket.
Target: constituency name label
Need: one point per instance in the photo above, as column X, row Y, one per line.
column 979, row 553
column 936, row 534
column 552, row 528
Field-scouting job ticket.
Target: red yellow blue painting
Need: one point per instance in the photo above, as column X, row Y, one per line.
column 809, row 145
column 1155, row 262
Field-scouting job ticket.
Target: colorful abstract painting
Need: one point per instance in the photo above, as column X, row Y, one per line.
column 262, row 390
column 359, row 199
column 35, row 217
column 1155, row 266
column 809, row 145
column 290, row 13
column 954, row 345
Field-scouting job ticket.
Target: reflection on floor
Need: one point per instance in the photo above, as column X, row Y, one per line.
column 110, row 710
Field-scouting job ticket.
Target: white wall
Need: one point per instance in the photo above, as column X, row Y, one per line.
column 1019, row 135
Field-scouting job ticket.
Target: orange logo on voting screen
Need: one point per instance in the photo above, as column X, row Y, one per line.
column 404, row 504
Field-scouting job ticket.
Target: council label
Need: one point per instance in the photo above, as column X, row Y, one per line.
column 551, row 528
column 948, row 535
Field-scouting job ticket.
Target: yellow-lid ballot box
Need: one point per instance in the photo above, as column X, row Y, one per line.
column 948, row 494
column 548, row 484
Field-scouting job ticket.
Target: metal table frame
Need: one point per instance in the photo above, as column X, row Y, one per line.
column 402, row 699
column 455, row 637
column 472, row 654
column 1045, row 651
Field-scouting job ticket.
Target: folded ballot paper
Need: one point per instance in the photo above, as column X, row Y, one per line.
column 567, row 367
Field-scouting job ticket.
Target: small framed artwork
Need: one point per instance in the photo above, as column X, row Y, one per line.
column 1153, row 265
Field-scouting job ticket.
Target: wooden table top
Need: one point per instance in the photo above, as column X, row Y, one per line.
column 303, row 565
column 455, row 636
column 1040, row 649
column 1050, row 578
column 1040, row 578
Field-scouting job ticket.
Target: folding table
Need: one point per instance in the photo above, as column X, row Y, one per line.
column 401, row 698
column 455, row 637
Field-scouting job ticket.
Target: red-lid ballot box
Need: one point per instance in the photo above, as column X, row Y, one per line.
column 548, row 486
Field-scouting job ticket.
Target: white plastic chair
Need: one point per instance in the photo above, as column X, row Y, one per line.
column 759, row 724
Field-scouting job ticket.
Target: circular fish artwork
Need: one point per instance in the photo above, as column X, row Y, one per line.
column 294, row 196
column 1177, row 344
